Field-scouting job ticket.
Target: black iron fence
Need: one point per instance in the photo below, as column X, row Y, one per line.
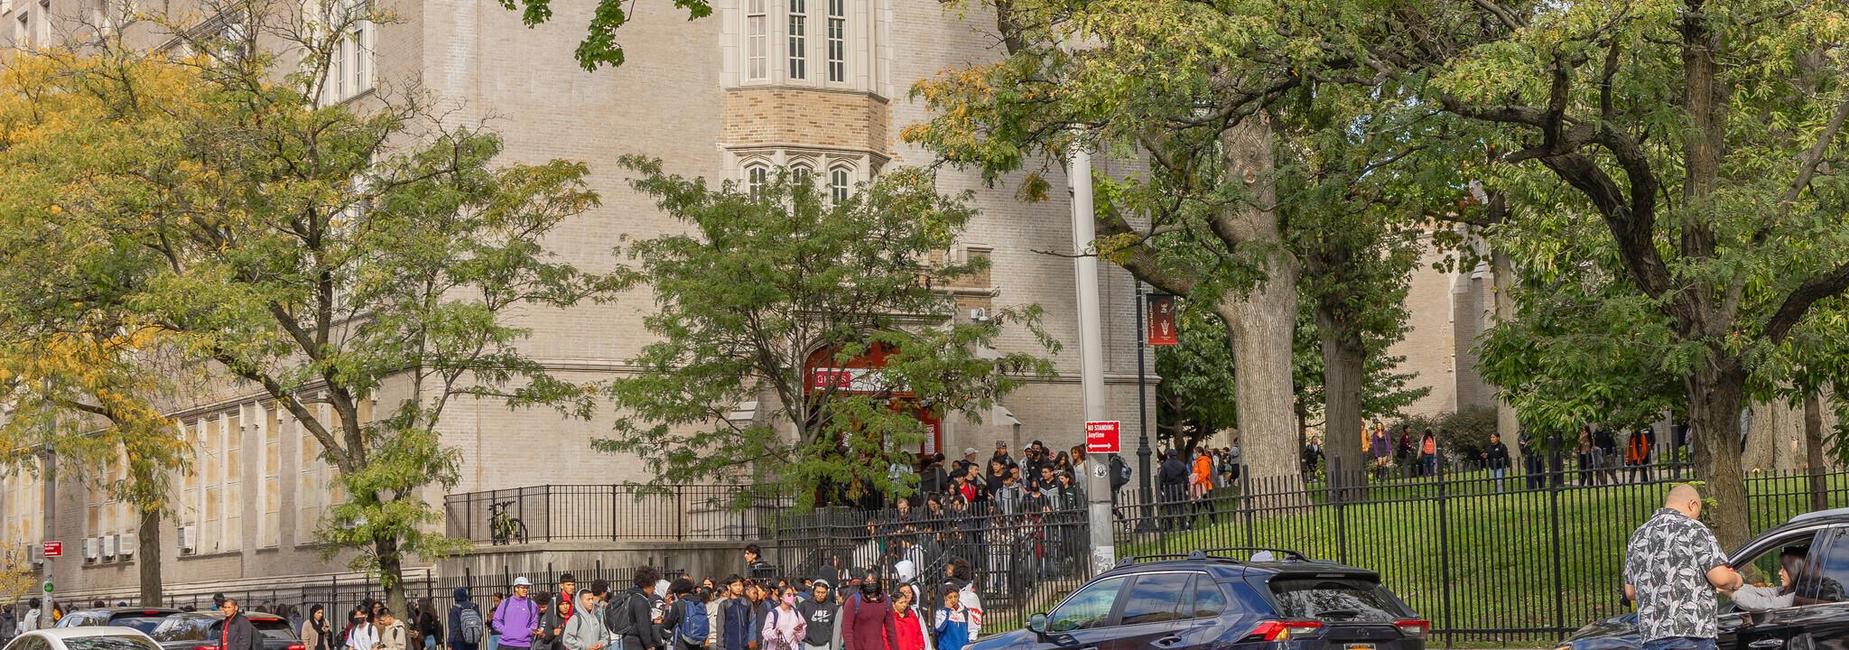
column 340, row 595
column 549, row 513
column 1516, row 558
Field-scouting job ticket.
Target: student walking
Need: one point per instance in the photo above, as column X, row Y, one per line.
column 517, row 619
column 467, row 627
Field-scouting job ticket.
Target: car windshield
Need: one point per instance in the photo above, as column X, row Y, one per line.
column 274, row 628
column 182, row 629
column 110, row 643
column 141, row 622
column 1337, row 600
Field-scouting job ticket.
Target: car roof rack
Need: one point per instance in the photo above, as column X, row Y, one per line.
column 1288, row 555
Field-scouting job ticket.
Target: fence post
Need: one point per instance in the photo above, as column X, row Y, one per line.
column 1341, row 508
column 613, row 516
column 1553, row 527
column 1245, row 500
column 680, row 506
column 1444, row 552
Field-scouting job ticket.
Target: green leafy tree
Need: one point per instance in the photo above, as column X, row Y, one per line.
column 1695, row 136
column 316, row 254
column 768, row 279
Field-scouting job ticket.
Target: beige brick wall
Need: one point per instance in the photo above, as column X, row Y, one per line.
column 759, row 116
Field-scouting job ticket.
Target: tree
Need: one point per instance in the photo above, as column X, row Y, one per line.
column 1694, row 135
column 828, row 314
column 318, row 254
column 84, row 378
column 1190, row 93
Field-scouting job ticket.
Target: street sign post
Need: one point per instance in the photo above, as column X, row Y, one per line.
column 1101, row 437
column 54, row 549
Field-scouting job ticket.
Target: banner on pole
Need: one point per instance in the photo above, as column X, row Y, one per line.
column 1162, row 329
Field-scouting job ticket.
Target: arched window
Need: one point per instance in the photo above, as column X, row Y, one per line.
column 802, row 173
column 840, row 183
column 757, row 176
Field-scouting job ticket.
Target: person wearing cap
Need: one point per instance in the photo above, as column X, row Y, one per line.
column 822, row 614
column 1001, row 455
column 518, row 617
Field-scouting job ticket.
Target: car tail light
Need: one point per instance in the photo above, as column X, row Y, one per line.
column 205, row 647
column 1283, row 630
column 1413, row 627
column 297, row 646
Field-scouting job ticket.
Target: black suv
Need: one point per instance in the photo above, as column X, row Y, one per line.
column 1202, row 601
column 1817, row 618
column 140, row 618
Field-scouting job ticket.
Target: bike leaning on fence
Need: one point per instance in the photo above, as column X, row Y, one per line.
column 503, row 526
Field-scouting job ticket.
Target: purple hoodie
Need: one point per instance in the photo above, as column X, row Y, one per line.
column 515, row 620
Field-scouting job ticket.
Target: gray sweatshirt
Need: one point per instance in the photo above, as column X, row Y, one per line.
column 585, row 630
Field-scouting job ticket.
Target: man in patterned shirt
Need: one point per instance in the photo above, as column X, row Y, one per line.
column 1672, row 567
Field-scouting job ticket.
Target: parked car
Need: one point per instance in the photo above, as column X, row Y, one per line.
column 94, row 637
column 1201, row 601
column 140, row 618
column 1818, row 617
column 201, row 631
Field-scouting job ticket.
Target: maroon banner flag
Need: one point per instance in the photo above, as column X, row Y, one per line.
column 1162, row 320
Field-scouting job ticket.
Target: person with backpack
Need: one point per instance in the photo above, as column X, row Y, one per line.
column 517, row 619
column 733, row 621
column 466, row 627
column 692, row 626
column 821, row 615
column 585, row 629
column 393, row 634
column 628, row 619
column 784, row 627
column 867, row 621
column 561, row 607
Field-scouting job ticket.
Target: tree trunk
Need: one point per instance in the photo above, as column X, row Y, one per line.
column 1813, row 451
column 1262, row 319
column 1342, row 358
column 391, row 572
column 1502, row 310
column 1763, row 429
column 148, row 557
column 1716, row 390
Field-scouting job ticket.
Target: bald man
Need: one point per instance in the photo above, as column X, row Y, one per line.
column 1672, row 567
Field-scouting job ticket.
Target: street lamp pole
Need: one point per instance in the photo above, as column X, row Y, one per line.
column 1091, row 356
column 1145, row 492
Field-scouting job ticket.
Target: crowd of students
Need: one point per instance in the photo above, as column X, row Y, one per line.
column 653, row 613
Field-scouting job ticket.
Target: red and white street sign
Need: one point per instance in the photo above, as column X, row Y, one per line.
column 54, row 549
column 1101, row 437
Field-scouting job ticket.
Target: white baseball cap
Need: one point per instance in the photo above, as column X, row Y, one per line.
column 522, row 582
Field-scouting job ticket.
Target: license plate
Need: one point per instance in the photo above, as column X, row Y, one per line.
column 1358, row 646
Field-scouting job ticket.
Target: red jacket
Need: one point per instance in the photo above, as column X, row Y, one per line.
column 910, row 628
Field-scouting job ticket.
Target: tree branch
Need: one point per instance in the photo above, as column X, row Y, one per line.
column 1818, row 287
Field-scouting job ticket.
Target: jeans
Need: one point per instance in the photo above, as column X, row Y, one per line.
column 493, row 642
column 1679, row 643
column 1495, row 474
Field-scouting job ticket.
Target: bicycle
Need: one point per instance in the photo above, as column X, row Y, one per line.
column 503, row 527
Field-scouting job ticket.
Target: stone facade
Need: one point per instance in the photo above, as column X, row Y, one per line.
column 682, row 97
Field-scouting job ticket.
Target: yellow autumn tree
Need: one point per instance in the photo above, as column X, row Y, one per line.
column 86, row 380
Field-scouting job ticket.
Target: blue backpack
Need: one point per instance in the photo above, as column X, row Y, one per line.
column 693, row 627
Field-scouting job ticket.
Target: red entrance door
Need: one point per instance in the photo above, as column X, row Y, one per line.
column 860, row 375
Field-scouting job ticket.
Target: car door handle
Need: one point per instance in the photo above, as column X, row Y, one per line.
column 1766, row 644
column 1167, row 642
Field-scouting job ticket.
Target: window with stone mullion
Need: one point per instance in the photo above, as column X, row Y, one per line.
column 798, row 41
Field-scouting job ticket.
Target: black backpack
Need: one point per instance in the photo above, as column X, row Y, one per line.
column 619, row 620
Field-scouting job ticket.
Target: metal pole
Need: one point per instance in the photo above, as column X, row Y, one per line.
column 1091, row 355
column 1145, row 485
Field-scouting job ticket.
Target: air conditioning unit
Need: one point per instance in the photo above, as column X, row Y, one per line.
column 91, row 548
column 36, row 553
column 979, row 315
column 129, row 543
column 109, row 545
column 189, row 537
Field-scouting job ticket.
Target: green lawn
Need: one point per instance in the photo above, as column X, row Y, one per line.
column 1508, row 575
